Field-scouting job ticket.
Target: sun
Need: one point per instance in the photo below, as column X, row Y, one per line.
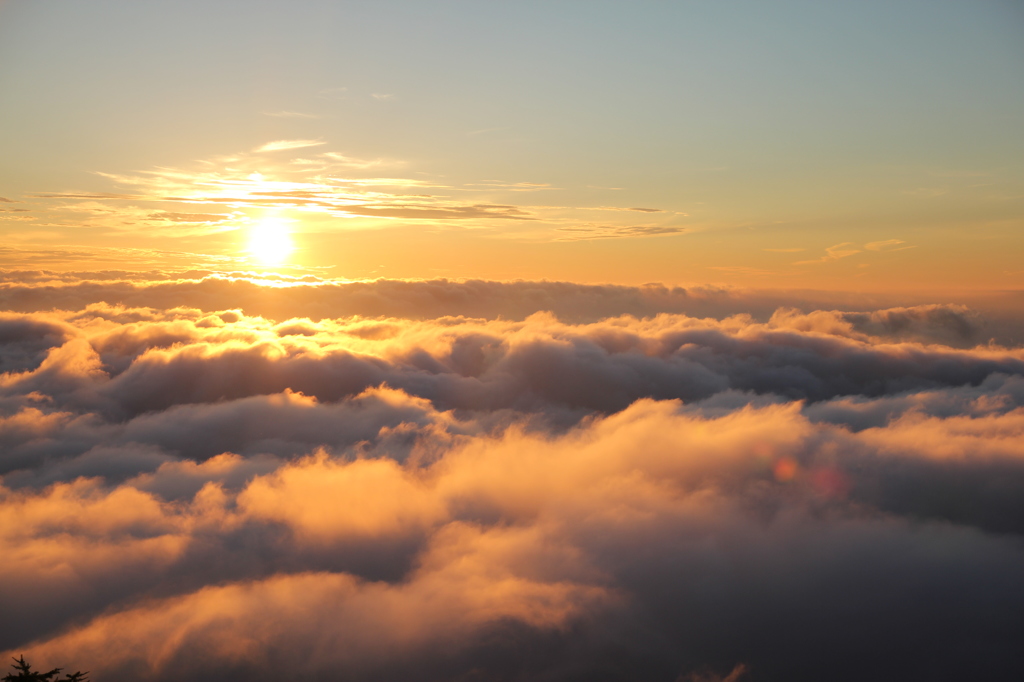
column 270, row 241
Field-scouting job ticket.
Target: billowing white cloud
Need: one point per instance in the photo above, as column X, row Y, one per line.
column 439, row 480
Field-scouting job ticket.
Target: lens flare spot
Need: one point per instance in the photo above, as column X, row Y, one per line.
column 785, row 469
column 830, row 482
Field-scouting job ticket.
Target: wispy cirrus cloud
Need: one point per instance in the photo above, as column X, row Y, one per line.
column 281, row 145
column 512, row 186
column 635, row 209
column 833, row 253
column 886, row 245
column 187, row 217
column 579, row 232
column 84, row 195
column 315, row 187
column 847, row 249
column 57, row 254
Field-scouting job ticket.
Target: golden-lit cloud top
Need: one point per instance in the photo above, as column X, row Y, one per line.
column 192, row 491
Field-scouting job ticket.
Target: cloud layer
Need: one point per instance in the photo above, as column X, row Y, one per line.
column 438, row 481
column 298, row 178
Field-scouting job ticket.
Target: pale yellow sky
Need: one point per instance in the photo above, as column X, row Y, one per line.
column 868, row 148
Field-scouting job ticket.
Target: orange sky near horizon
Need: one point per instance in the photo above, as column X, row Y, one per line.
column 863, row 148
column 360, row 227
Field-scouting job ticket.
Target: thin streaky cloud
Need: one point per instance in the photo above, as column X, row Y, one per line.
column 280, row 145
column 883, row 245
column 589, row 232
column 833, row 253
column 329, row 184
column 189, row 217
column 637, row 209
column 353, row 162
column 513, row 186
column 34, row 235
column 794, row 250
column 83, row 195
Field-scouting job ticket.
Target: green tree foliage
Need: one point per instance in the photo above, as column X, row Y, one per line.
column 24, row 671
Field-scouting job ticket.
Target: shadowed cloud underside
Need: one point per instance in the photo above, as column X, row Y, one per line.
column 192, row 491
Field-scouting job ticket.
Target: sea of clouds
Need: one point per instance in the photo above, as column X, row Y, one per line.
column 206, row 477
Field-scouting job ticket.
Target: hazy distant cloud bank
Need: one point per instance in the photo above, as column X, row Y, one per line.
column 315, row 298
column 206, row 478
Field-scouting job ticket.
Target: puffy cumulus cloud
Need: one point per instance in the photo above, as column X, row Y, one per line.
column 281, row 297
column 76, row 548
column 321, row 501
column 428, row 488
column 948, row 324
column 24, row 341
column 539, row 364
column 641, row 545
column 233, row 631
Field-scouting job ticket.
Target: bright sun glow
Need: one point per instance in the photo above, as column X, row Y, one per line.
column 270, row 241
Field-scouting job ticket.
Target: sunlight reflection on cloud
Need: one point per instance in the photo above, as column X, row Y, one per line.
column 191, row 488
